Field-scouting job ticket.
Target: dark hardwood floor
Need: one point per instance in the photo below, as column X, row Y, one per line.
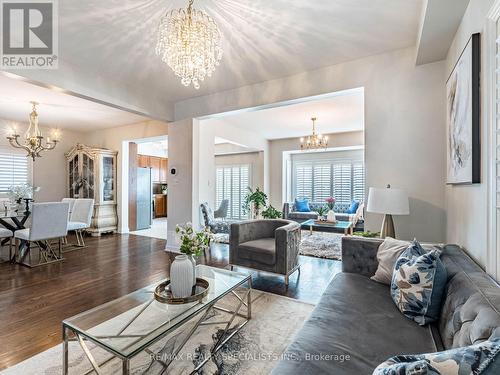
column 33, row 302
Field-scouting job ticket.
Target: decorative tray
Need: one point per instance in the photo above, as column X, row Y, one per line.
column 325, row 222
column 164, row 295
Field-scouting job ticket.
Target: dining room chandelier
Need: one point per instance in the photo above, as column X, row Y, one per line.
column 189, row 42
column 32, row 141
column 313, row 141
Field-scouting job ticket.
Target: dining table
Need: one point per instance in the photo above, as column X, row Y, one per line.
column 15, row 220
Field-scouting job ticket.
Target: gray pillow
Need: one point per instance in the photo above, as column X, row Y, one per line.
column 388, row 252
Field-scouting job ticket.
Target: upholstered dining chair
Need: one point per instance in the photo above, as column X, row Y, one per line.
column 71, row 202
column 221, row 212
column 81, row 218
column 48, row 221
column 265, row 245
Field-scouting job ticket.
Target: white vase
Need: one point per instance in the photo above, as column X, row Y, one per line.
column 181, row 276
column 331, row 216
column 193, row 261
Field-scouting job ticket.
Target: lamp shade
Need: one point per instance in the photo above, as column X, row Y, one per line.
column 388, row 201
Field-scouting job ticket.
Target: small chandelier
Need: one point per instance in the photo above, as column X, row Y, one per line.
column 189, row 43
column 313, row 141
column 33, row 138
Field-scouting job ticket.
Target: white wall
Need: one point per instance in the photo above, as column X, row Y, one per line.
column 117, row 139
column 467, row 205
column 404, row 126
column 180, row 186
column 49, row 171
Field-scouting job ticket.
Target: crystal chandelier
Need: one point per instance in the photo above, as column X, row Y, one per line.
column 33, row 139
column 189, row 43
column 313, row 141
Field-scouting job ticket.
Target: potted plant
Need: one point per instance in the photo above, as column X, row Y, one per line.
column 271, row 213
column 330, row 201
column 19, row 192
column 321, row 210
column 182, row 271
column 255, row 201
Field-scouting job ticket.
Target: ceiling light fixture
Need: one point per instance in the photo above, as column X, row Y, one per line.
column 33, row 138
column 313, row 141
column 189, row 43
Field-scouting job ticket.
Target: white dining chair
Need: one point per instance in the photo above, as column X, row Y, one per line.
column 48, row 221
column 71, row 202
column 81, row 218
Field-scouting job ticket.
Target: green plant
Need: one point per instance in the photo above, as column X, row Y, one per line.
column 193, row 242
column 367, row 234
column 271, row 213
column 254, row 200
column 322, row 210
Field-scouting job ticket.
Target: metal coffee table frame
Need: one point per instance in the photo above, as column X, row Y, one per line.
column 71, row 334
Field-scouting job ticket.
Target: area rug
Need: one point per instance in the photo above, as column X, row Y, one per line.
column 321, row 245
column 253, row 350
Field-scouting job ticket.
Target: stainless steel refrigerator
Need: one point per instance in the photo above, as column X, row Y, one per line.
column 144, row 198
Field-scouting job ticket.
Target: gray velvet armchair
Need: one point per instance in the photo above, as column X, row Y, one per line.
column 265, row 245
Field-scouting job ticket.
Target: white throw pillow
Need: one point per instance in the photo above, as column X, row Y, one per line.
column 388, row 252
column 387, row 255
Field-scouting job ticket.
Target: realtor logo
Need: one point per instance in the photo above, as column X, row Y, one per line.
column 29, row 34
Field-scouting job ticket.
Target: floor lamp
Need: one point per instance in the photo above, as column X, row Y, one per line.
column 389, row 202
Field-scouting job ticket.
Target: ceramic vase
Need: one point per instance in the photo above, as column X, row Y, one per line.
column 181, row 276
column 193, row 261
column 331, row 216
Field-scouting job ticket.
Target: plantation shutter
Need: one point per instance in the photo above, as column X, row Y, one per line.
column 13, row 170
column 232, row 183
column 358, row 182
column 317, row 180
column 342, row 182
column 322, row 185
column 303, row 181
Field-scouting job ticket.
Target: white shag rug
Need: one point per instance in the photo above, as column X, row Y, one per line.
column 252, row 351
column 321, row 245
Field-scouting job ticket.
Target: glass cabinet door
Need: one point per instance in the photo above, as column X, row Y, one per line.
column 108, row 179
column 87, row 177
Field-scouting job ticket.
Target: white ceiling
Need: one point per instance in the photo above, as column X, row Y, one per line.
column 114, row 40
column 58, row 109
column 342, row 112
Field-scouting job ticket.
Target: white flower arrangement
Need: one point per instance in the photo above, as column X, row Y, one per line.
column 19, row 192
column 193, row 242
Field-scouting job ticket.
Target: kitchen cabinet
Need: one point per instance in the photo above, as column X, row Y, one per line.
column 160, row 205
column 163, row 170
column 155, row 165
column 159, row 167
column 143, row 161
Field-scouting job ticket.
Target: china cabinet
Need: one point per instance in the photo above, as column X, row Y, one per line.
column 92, row 174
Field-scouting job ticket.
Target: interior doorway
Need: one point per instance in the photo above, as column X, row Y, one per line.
column 148, row 187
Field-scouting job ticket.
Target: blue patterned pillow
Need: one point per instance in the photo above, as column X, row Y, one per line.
column 302, row 205
column 476, row 359
column 418, row 283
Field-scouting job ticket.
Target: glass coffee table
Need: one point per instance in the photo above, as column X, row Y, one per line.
column 344, row 227
column 131, row 324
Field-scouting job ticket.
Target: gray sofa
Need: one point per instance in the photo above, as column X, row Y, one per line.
column 290, row 213
column 265, row 245
column 356, row 316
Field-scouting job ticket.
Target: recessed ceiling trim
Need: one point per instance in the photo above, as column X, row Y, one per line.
column 77, row 95
column 285, row 103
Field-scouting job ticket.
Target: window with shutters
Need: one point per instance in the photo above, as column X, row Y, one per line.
column 317, row 180
column 14, row 170
column 232, row 183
